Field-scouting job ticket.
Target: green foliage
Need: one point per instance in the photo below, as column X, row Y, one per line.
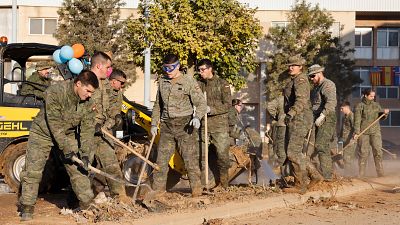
column 223, row 31
column 308, row 34
column 96, row 25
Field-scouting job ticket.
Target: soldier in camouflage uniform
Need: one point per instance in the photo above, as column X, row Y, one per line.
column 108, row 109
column 38, row 81
column 235, row 126
column 323, row 100
column 297, row 107
column 219, row 102
column 366, row 112
column 177, row 96
column 67, row 108
column 276, row 111
column 346, row 135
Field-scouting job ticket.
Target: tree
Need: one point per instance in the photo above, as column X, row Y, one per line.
column 308, row 34
column 96, row 25
column 223, row 31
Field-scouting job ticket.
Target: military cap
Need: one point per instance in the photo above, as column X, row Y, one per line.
column 296, row 60
column 41, row 65
column 315, row 69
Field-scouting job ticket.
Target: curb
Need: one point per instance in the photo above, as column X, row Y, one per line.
column 234, row 209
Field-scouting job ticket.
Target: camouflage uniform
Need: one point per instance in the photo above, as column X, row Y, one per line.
column 297, row 105
column 275, row 109
column 35, row 89
column 346, row 134
column 219, row 100
column 323, row 100
column 174, row 107
column 108, row 105
column 234, row 125
column 365, row 113
column 57, row 125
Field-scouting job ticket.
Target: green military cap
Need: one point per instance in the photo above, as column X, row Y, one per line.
column 296, row 60
column 41, row 65
column 315, row 69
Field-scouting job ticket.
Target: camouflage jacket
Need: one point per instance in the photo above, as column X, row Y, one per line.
column 365, row 113
column 347, row 129
column 219, row 100
column 275, row 109
column 323, row 98
column 297, row 95
column 108, row 104
column 178, row 98
column 64, row 112
column 36, row 89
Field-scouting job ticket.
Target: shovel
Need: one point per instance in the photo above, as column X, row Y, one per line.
column 206, row 146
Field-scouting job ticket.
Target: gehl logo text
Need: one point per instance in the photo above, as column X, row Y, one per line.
column 14, row 125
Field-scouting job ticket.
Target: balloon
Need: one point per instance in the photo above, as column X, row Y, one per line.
column 66, row 53
column 75, row 66
column 79, row 50
column 57, row 58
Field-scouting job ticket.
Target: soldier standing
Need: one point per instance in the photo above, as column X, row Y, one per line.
column 346, row 135
column 366, row 112
column 235, row 126
column 38, row 82
column 67, row 107
column 276, row 111
column 177, row 96
column 323, row 100
column 297, row 107
column 108, row 107
column 218, row 105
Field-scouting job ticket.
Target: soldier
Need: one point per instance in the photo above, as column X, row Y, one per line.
column 346, row 135
column 108, row 107
column 323, row 100
column 276, row 111
column 67, row 107
column 117, row 81
column 297, row 107
column 38, row 82
column 218, row 105
column 177, row 96
column 366, row 112
column 235, row 127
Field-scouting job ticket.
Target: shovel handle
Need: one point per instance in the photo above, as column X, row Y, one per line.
column 206, row 145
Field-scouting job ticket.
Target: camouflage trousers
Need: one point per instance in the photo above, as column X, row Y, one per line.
column 220, row 140
column 324, row 137
column 177, row 133
column 278, row 136
column 39, row 147
column 296, row 132
column 348, row 157
column 375, row 141
column 105, row 154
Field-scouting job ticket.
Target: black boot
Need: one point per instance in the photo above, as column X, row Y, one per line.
column 27, row 212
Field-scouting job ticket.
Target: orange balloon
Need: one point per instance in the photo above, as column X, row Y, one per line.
column 79, row 50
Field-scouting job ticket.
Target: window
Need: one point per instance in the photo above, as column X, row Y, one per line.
column 393, row 119
column 279, row 24
column 42, row 26
column 363, row 37
column 388, row 37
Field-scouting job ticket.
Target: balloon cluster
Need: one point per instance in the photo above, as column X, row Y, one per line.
column 70, row 55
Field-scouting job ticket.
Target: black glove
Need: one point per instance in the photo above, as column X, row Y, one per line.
column 86, row 162
column 288, row 118
column 69, row 155
column 97, row 130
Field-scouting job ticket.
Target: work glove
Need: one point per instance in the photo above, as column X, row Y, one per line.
column 153, row 130
column 86, row 162
column 195, row 123
column 97, row 130
column 69, row 155
column 242, row 136
column 288, row 119
column 320, row 120
column 208, row 110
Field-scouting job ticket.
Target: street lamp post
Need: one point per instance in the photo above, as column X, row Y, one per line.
column 147, row 58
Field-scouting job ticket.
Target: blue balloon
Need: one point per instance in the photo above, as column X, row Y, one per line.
column 57, row 58
column 75, row 66
column 66, row 53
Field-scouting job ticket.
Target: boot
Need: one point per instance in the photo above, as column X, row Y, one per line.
column 379, row 168
column 361, row 172
column 85, row 205
column 224, row 180
column 27, row 212
column 196, row 191
column 124, row 199
column 314, row 181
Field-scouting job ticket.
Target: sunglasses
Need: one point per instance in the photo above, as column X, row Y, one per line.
column 312, row 76
column 122, row 82
column 170, row 67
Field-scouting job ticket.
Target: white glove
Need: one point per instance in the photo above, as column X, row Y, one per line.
column 154, row 130
column 195, row 122
column 208, row 109
column 320, row 120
